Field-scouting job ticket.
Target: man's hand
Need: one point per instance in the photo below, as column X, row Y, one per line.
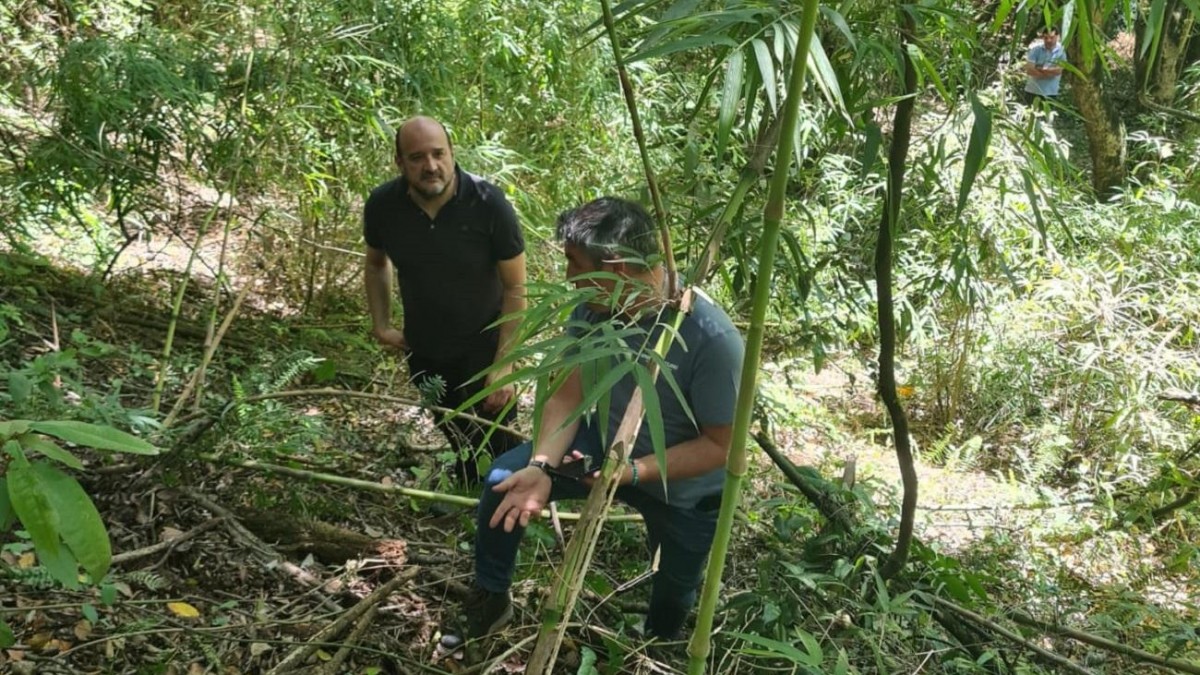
column 496, row 400
column 391, row 337
column 526, row 492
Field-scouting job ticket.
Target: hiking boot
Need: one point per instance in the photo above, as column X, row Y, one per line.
column 487, row 612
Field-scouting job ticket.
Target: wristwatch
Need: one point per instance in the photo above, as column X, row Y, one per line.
column 543, row 465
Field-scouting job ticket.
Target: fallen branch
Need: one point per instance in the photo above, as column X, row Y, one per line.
column 1046, row 655
column 335, row 664
column 815, row 489
column 254, row 543
column 380, row 487
column 165, row 545
column 302, row 653
column 1173, row 665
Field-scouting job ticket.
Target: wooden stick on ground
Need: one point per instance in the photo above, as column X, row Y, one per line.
column 1046, row 655
column 165, row 545
column 302, row 653
column 335, row 664
column 1173, row 665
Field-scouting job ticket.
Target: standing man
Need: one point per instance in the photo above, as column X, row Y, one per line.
column 1043, row 67
column 618, row 237
column 459, row 257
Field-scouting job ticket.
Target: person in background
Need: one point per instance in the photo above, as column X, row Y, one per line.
column 1043, row 67
column 459, row 257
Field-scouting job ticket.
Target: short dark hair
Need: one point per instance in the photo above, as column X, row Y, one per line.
column 396, row 139
column 1050, row 30
column 610, row 228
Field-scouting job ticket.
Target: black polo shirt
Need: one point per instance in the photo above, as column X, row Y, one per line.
column 449, row 284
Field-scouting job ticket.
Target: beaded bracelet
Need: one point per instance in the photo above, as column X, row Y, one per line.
column 634, row 469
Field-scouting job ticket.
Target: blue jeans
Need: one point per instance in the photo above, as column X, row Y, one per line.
column 685, row 536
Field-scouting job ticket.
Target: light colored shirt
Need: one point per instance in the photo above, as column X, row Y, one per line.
column 1041, row 57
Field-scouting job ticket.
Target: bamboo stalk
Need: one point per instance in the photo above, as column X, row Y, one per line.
column 372, row 486
column 160, row 379
column 196, row 382
column 735, row 466
column 636, row 121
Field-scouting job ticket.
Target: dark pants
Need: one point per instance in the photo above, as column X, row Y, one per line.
column 685, row 536
column 467, row 437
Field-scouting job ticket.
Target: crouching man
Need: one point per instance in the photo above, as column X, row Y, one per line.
column 618, row 237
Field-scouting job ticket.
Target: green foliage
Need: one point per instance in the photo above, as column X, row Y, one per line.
column 53, row 508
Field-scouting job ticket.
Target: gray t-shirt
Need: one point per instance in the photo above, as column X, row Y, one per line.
column 706, row 363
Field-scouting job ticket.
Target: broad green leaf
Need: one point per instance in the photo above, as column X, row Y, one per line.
column 766, row 68
column 777, row 649
column 79, row 523
column 977, row 150
column 7, row 515
column 730, row 96
column 50, row 450
column 19, row 387
column 95, row 436
column 7, row 639
column 13, row 428
column 654, row 418
column 32, row 505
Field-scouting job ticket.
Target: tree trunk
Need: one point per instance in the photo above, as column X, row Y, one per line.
column 1104, row 127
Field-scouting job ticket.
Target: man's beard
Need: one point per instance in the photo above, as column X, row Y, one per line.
column 431, row 193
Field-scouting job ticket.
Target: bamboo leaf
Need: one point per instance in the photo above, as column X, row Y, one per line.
column 7, row 515
column 775, row 648
column 824, row 75
column 688, row 43
column 654, row 418
column 766, row 68
column 839, row 22
column 590, row 398
column 1154, row 30
column 1002, row 13
column 38, row 517
column 730, row 96
column 94, row 436
column 50, row 450
column 977, row 151
column 13, row 428
column 79, row 523
column 870, row 156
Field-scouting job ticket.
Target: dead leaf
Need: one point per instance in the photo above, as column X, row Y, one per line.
column 387, row 481
column 83, row 629
column 169, row 533
column 27, row 560
column 259, row 648
column 39, row 640
column 8, row 558
column 15, row 654
column 56, row 645
column 196, row 669
column 123, row 588
column 183, row 610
